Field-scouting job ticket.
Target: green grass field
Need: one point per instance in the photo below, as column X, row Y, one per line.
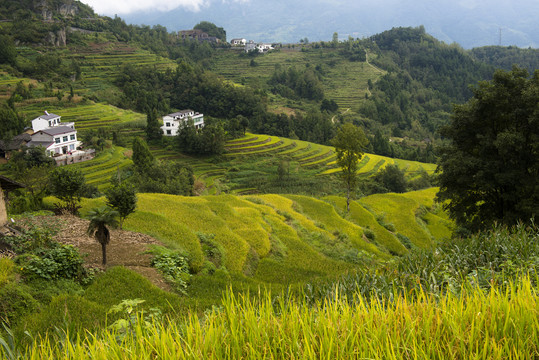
column 473, row 325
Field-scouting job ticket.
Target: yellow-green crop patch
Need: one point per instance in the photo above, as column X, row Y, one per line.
column 401, row 212
column 280, row 239
column 325, row 214
column 362, row 217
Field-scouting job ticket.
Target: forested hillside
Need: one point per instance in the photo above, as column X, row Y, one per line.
column 505, row 57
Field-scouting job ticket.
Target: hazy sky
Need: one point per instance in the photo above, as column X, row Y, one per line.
column 119, row 7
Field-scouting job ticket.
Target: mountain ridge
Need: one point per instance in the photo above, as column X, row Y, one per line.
column 470, row 25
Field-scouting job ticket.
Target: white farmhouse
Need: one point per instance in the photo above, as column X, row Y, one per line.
column 238, row 42
column 261, row 48
column 264, row 47
column 56, row 137
column 171, row 122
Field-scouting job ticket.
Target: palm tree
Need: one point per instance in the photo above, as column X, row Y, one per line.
column 100, row 218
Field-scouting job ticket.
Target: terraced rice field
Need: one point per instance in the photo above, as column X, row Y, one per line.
column 102, row 62
column 274, row 238
column 99, row 170
column 8, row 84
column 90, row 116
column 315, row 155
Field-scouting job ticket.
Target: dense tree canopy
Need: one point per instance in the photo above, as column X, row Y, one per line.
column 211, row 29
column 490, row 170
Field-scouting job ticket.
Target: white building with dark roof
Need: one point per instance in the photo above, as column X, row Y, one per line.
column 48, row 120
column 56, row 137
column 171, row 122
column 238, row 42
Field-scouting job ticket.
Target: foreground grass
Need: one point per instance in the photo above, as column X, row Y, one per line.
column 475, row 325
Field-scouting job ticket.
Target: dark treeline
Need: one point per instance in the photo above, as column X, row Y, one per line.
column 293, row 83
column 505, row 57
column 186, row 87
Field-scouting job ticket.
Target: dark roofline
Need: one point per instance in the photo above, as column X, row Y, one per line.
column 56, row 130
column 8, row 184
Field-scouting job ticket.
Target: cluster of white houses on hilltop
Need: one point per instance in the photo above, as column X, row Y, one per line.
column 172, row 122
column 251, row 45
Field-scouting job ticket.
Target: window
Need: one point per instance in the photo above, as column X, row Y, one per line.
column 65, row 138
column 72, row 137
column 168, row 124
column 72, row 147
column 50, row 123
column 169, row 132
column 57, row 140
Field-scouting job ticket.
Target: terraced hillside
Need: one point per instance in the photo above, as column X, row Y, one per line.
column 284, row 239
column 251, row 163
column 100, row 62
column 99, row 170
column 320, row 156
column 90, row 115
column 344, row 81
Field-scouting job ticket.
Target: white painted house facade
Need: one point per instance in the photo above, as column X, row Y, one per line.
column 238, row 42
column 171, row 122
column 56, row 137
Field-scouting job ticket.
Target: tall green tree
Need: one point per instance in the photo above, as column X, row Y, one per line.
column 489, row 172
column 8, row 52
column 349, row 144
column 122, row 197
column 142, row 157
column 153, row 130
column 67, row 185
column 11, row 123
column 100, row 218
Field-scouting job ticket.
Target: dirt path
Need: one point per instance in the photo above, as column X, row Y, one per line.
column 126, row 248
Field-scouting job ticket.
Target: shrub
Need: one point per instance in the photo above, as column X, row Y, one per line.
column 405, row 241
column 60, row 261
column 174, row 268
column 369, row 234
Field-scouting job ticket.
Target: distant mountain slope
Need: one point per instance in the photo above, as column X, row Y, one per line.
column 469, row 23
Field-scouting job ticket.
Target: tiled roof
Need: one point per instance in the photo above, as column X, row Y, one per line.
column 181, row 112
column 45, row 144
column 15, row 143
column 57, row 130
column 49, row 116
column 8, row 184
